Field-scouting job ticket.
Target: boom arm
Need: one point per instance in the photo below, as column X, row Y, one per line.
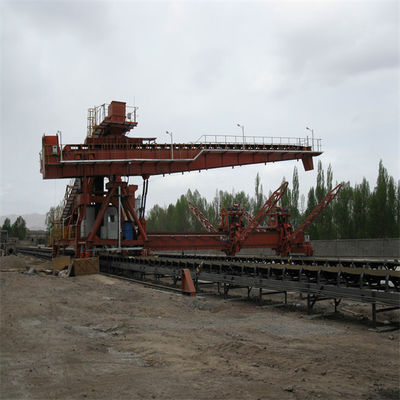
column 316, row 212
column 264, row 211
column 205, row 223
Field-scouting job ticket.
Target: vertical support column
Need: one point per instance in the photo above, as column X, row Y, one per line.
column 337, row 302
column 374, row 315
column 226, row 290
column 119, row 217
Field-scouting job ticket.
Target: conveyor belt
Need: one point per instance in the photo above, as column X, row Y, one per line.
column 358, row 284
column 369, row 285
column 359, row 262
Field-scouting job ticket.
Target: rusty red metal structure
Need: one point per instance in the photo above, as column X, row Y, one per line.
column 100, row 209
column 236, row 226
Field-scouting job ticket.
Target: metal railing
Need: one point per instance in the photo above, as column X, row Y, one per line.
column 61, row 232
column 315, row 144
column 96, row 115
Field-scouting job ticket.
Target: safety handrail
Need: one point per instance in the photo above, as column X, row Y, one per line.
column 196, row 145
column 315, row 144
column 96, row 115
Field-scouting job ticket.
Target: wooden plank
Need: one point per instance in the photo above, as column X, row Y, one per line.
column 60, row 263
column 85, row 266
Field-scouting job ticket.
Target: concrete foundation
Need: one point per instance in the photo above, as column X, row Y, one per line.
column 351, row 248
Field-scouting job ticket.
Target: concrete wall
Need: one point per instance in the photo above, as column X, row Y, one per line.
column 382, row 248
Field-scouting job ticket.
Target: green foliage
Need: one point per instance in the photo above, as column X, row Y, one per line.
column 383, row 218
column 294, row 201
column 52, row 216
column 258, row 200
column 311, row 204
column 6, row 226
column 343, row 212
column 286, row 199
column 356, row 212
column 361, row 200
column 320, row 190
column 17, row 229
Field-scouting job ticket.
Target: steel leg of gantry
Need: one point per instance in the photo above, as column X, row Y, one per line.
column 226, row 290
column 337, row 302
column 374, row 315
column 249, row 291
column 311, row 299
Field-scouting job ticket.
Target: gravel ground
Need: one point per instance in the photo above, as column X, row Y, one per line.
column 95, row 337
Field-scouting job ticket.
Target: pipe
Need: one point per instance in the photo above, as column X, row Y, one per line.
column 119, row 217
column 142, row 160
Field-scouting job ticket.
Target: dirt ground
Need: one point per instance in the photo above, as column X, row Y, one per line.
column 95, row 337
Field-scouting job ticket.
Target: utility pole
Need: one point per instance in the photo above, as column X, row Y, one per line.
column 172, row 144
column 241, row 126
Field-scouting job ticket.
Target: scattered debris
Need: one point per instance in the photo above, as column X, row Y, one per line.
column 30, row 271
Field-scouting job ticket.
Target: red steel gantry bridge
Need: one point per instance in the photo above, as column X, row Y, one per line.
column 99, row 208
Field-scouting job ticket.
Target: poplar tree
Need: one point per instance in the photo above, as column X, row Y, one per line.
column 294, row 206
column 356, row 212
column 311, row 204
column 258, row 202
column 342, row 212
column 361, row 200
column 18, row 228
column 286, row 199
column 382, row 204
column 7, row 226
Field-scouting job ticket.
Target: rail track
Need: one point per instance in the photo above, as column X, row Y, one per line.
column 358, row 281
column 39, row 252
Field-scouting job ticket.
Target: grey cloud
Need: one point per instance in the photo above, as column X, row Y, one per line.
column 343, row 42
column 84, row 20
column 197, row 68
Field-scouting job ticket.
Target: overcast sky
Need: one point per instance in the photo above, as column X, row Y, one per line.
column 198, row 68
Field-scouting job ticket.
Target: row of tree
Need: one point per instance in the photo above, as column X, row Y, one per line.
column 357, row 212
column 17, row 229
